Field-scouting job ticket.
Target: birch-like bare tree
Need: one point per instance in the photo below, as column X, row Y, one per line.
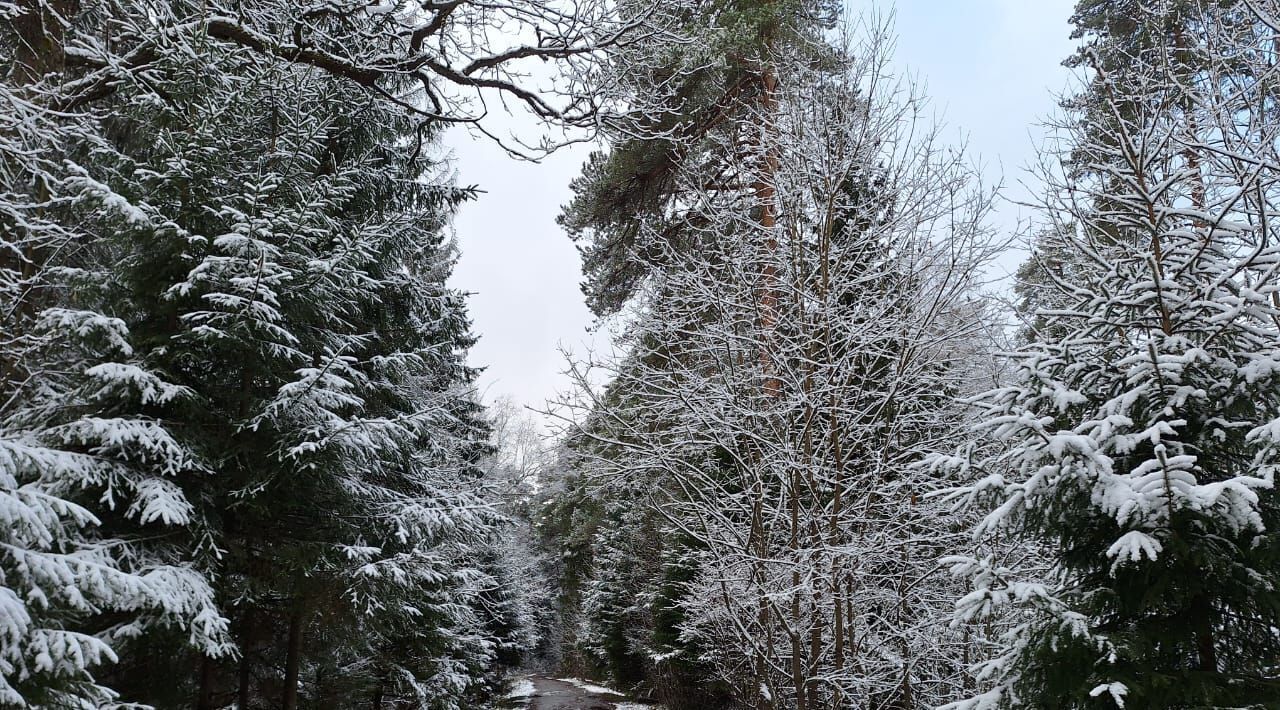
column 781, row 443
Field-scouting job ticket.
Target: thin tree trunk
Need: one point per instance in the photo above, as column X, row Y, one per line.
column 204, row 699
column 1206, row 652
column 379, row 692
column 1189, row 152
column 797, row 645
column 245, row 675
column 293, row 659
column 834, row 528
column 764, row 192
column 242, row 693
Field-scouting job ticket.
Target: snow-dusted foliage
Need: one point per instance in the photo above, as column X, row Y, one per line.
column 676, row 99
column 74, row 450
column 1136, row 448
column 234, row 414
column 92, row 505
column 786, row 363
column 303, row 303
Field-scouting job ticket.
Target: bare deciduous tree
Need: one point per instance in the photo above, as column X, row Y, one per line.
column 783, row 443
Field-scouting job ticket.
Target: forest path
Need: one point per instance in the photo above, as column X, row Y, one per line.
column 536, row 692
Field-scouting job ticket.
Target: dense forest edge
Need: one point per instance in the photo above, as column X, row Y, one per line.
column 831, row 460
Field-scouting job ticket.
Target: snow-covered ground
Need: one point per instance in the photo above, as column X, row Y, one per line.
column 601, row 690
column 540, row 692
column 522, row 688
column 590, row 687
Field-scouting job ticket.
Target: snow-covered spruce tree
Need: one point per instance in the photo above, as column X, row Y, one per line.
column 566, row 517
column 93, row 519
column 618, row 600
column 781, row 444
column 307, row 315
column 1137, row 448
column 622, row 568
column 189, row 201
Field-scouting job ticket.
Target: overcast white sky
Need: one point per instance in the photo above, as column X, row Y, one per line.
column 992, row 69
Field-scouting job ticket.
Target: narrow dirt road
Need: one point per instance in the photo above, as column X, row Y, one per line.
column 552, row 694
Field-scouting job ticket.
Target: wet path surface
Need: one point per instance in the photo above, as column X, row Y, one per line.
column 551, row 694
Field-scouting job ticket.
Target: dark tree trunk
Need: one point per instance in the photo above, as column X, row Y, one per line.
column 245, row 675
column 204, row 701
column 380, row 692
column 293, row 660
column 40, row 38
column 1206, row 651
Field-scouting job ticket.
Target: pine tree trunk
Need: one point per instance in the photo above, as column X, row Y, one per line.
column 244, row 675
column 40, row 35
column 204, row 700
column 293, row 659
column 1206, row 651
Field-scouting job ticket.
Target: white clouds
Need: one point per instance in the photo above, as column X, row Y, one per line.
column 523, row 269
column 994, row 70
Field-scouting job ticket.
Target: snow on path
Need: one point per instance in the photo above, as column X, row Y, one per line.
column 541, row 693
column 587, row 686
column 523, row 688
